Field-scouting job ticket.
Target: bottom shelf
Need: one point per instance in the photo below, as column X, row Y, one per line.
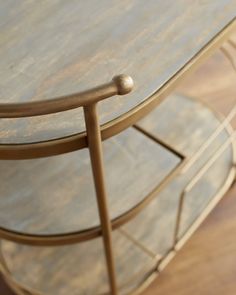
column 142, row 244
column 82, row 265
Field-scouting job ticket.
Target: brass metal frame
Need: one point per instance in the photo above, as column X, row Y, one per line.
column 120, row 85
column 96, row 156
column 177, row 243
column 80, row 236
column 195, row 180
column 78, row 141
column 92, row 139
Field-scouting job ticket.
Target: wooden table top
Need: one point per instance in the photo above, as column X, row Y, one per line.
column 54, row 48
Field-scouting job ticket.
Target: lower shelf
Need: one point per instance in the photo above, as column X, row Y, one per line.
column 56, row 195
column 140, row 245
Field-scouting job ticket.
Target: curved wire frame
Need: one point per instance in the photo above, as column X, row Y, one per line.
column 78, row 141
column 92, row 138
column 178, row 242
column 20, row 289
column 119, row 85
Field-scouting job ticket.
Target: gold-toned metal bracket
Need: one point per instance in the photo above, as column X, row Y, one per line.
column 215, row 156
column 96, row 156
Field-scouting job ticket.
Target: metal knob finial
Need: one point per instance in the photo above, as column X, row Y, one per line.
column 124, row 83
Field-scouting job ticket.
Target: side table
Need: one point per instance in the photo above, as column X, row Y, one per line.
column 99, row 190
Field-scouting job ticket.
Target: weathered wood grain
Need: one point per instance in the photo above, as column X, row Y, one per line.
column 79, row 269
column 51, row 48
column 82, row 267
column 56, row 194
column 193, row 270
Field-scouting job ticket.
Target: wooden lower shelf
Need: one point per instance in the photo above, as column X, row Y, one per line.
column 78, row 269
column 56, row 195
column 141, row 243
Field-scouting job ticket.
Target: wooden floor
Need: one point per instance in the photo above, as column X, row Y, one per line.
column 207, row 263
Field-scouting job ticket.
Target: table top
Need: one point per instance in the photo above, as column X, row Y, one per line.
column 55, row 48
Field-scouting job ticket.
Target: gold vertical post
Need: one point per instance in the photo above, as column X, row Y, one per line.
column 178, row 218
column 96, row 156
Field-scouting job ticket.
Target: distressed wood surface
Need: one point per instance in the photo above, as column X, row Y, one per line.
column 50, row 48
column 79, row 269
column 193, row 270
column 56, row 194
column 82, row 267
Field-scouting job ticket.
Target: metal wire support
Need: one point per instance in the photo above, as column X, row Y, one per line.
column 94, row 143
column 96, row 156
column 124, row 85
column 119, row 85
column 197, row 178
column 201, row 150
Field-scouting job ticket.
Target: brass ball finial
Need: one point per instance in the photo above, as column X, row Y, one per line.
column 124, row 83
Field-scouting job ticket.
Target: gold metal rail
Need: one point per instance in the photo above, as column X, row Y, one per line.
column 78, row 141
column 119, row 85
column 88, row 100
column 214, row 157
